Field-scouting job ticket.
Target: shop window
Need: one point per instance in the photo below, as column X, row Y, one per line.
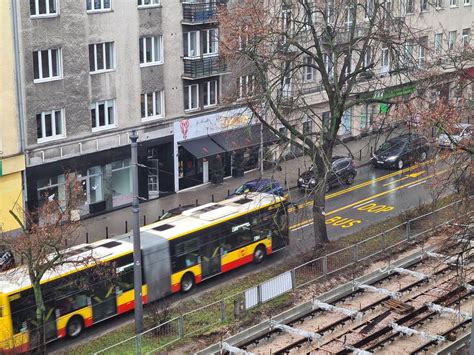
column 92, row 185
column 121, row 182
column 52, row 188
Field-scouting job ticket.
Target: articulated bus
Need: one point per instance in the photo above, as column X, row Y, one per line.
column 177, row 253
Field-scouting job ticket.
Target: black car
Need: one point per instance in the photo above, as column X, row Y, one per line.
column 401, row 151
column 343, row 171
column 7, row 260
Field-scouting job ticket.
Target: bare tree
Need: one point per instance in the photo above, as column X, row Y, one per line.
column 314, row 61
column 46, row 233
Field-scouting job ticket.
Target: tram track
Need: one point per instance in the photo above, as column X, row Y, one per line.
column 373, row 312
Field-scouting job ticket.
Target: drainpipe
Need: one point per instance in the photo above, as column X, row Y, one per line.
column 19, row 94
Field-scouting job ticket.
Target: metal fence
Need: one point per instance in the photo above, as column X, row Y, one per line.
column 236, row 307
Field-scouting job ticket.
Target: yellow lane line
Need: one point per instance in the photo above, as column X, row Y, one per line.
column 310, row 221
column 413, row 175
column 363, row 184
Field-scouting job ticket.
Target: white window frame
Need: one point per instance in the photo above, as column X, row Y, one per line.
column 331, row 12
column 108, row 125
column 385, row 59
column 104, row 70
column 208, row 40
column 368, row 56
column 156, row 58
column 207, row 88
column 349, row 18
column 438, row 43
column 246, row 86
column 48, row 13
column 439, row 4
column 54, row 135
column 101, row 9
column 152, row 3
column 59, row 59
column 369, row 9
column 189, row 88
column 466, row 37
column 453, row 3
column 308, row 72
column 197, row 44
column 157, row 96
column 424, row 5
column 451, row 40
column 410, row 7
column 243, row 38
column 467, row 2
column 421, row 55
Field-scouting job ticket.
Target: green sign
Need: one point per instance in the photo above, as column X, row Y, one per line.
column 0, row 168
column 395, row 92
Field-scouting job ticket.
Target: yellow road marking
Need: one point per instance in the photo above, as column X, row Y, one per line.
column 363, row 184
column 412, row 175
column 310, row 221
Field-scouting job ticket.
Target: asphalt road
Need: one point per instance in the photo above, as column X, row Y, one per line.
column 376, row 195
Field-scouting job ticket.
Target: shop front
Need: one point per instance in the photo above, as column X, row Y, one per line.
column 105, row 177
column 213, row 147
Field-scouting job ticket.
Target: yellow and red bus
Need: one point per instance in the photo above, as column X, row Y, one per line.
column 177, row 253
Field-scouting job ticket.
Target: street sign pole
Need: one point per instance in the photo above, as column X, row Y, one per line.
column 137, row 259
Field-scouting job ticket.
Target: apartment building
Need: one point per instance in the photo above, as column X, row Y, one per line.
column 93, row 70
column 12, row 161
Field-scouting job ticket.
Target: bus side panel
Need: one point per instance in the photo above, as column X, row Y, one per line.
column 126, row 300
column 9, row 343
column 85, row 313
column 243, row 255
column 176, row 277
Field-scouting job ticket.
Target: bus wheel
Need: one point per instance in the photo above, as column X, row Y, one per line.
column 259, row 254
column 187, row 282
column 74, row 327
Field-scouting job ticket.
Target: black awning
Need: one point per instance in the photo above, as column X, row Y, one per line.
column 202, row 147
column 243, row 137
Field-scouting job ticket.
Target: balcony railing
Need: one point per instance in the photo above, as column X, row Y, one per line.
column 201, row 12
column 202, row 67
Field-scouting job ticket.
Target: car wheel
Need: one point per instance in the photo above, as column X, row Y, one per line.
column 400, row 164
column 259, row 254
column 350, row 179
column 74, row 327
column 187, row 282
column 423, row 156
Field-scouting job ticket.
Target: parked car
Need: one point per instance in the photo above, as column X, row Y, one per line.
column 259, row 185
column 176, row 211
column 459, row 133
column 401, row 151
column 7, row 260
column 343, row 171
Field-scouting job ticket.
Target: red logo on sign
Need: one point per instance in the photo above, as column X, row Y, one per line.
column 184, row 125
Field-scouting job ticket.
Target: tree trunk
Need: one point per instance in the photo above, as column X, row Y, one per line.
column 319, row 202
column 40, row 313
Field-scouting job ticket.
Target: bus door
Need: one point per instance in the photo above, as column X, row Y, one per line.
column 210, row 252
column 104, row 304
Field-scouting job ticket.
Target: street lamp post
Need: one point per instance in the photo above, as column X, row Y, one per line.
column 137, row 259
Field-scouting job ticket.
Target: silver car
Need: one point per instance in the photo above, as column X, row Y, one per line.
column 459, row 133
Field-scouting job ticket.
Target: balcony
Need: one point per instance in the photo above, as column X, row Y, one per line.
column 203, row 67
column 201, row 12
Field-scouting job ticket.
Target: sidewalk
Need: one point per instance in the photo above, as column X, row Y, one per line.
column 117, row 222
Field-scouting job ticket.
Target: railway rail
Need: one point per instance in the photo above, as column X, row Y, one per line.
column 373, row 332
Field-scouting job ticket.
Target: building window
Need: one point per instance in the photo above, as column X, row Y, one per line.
column 285, row 25
column 121, row 182
column 148, row 3
column 191, row 97
column 424, row 5
column 52, row 188
column 210, row 42
column 453, row 3
column 153, row 105
column 451, row 40
column 151, row 50
column 47, row 65
column 410, row 6
column 103, row 115
column 43, row 8
column 467, row 2
column 438, row 43
column 50, row 125
column 101, row 57
column 369, row 9
column 439, row 4
column 191, row 44
column 98, row 5
column 368, row 57
column 466, row 37
column 210, row 93
column 307, row 127
column 422, row 51
column 385, row 59
column 246, row 86
column 308, row 67
column 243, row 38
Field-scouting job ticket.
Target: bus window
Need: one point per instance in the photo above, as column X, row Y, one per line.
column 124, row 272
column 186, row 254
column 23, row 310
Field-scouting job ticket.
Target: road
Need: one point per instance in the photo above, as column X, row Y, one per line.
column 375, row 196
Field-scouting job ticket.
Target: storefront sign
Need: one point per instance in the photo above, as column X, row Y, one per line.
column 210, row 124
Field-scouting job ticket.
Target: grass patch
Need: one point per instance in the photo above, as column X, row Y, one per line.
column 218, row 319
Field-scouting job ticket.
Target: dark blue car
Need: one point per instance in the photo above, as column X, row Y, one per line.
column 259, row 185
